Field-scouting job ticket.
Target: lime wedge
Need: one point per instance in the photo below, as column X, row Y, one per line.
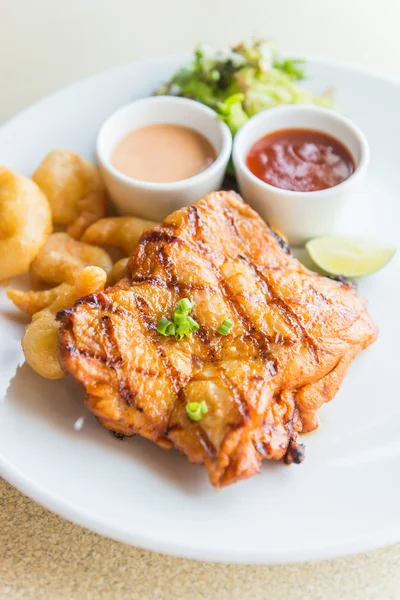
column 349, row 256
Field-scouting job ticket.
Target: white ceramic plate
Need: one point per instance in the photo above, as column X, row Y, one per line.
column 344, row 498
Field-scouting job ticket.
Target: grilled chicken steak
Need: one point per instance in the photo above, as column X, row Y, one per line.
column 293, row 337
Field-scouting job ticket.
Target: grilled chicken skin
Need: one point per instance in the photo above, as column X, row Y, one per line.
column 293, row 337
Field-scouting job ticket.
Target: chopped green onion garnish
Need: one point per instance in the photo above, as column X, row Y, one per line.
column 225, row 327
column 171, row 329
column 185, row 306
column 179, row 317
column 204, row 407
column 196, row 410
column 182, row 325
column 194, row 326
column 182, row 330
column 165, row 327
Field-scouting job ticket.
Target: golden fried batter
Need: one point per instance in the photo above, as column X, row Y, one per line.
column 118, row 271
column 120, row 232
column 40, row 340
column 25, row 223
column 33, row 301
column 62, row 258
column 74, row 189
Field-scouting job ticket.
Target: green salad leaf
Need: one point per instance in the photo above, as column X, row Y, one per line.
column 241, row 82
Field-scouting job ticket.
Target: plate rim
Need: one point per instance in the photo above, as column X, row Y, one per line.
column 73, row 513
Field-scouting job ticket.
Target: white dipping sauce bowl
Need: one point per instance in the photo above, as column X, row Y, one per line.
column 300, row 216
column 157, row 200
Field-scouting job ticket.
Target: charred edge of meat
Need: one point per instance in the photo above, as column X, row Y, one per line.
column 126, row 393
column 64, row 315
column 119, row 436
column 98, row 301
column 343, row 280
column 295, row 453
column 155, row 236
column 284, row 245
column 262, row 448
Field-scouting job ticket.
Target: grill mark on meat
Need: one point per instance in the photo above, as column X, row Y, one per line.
column 146, row 319
column 115, row 361
column 168, row 266
column 148, row 322
column 113, row 354
column 181, row 399
column 258, row 339
column 102, row 301
column 164, row 284
column 298, row 327
column 273, row 299
column 240, row 400
column 126, row 393
column 194, row 220
column 343, row 281
column 172, row 428
column 74, row 351
column 207, row 444
column 213, row 357
column 284, row 245
column 229, row 216
column 157, row 235
column 150, row 280
column 319, row 295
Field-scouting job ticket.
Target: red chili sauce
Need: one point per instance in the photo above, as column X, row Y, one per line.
column 301, row 160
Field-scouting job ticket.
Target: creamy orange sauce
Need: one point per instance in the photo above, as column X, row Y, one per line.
column 162, row 153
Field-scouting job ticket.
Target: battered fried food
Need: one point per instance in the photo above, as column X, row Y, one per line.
column 120, row 232
column 25, row 223
column 74, row 189
column 118, row 271
column 62, row 258
column 40, row 340
column 294, row 334
column 32, row 301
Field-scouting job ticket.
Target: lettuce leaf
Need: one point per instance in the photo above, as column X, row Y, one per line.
column 243, row 81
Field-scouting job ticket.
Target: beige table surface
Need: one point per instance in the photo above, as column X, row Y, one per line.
column 44, row 556
column 46, row 44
